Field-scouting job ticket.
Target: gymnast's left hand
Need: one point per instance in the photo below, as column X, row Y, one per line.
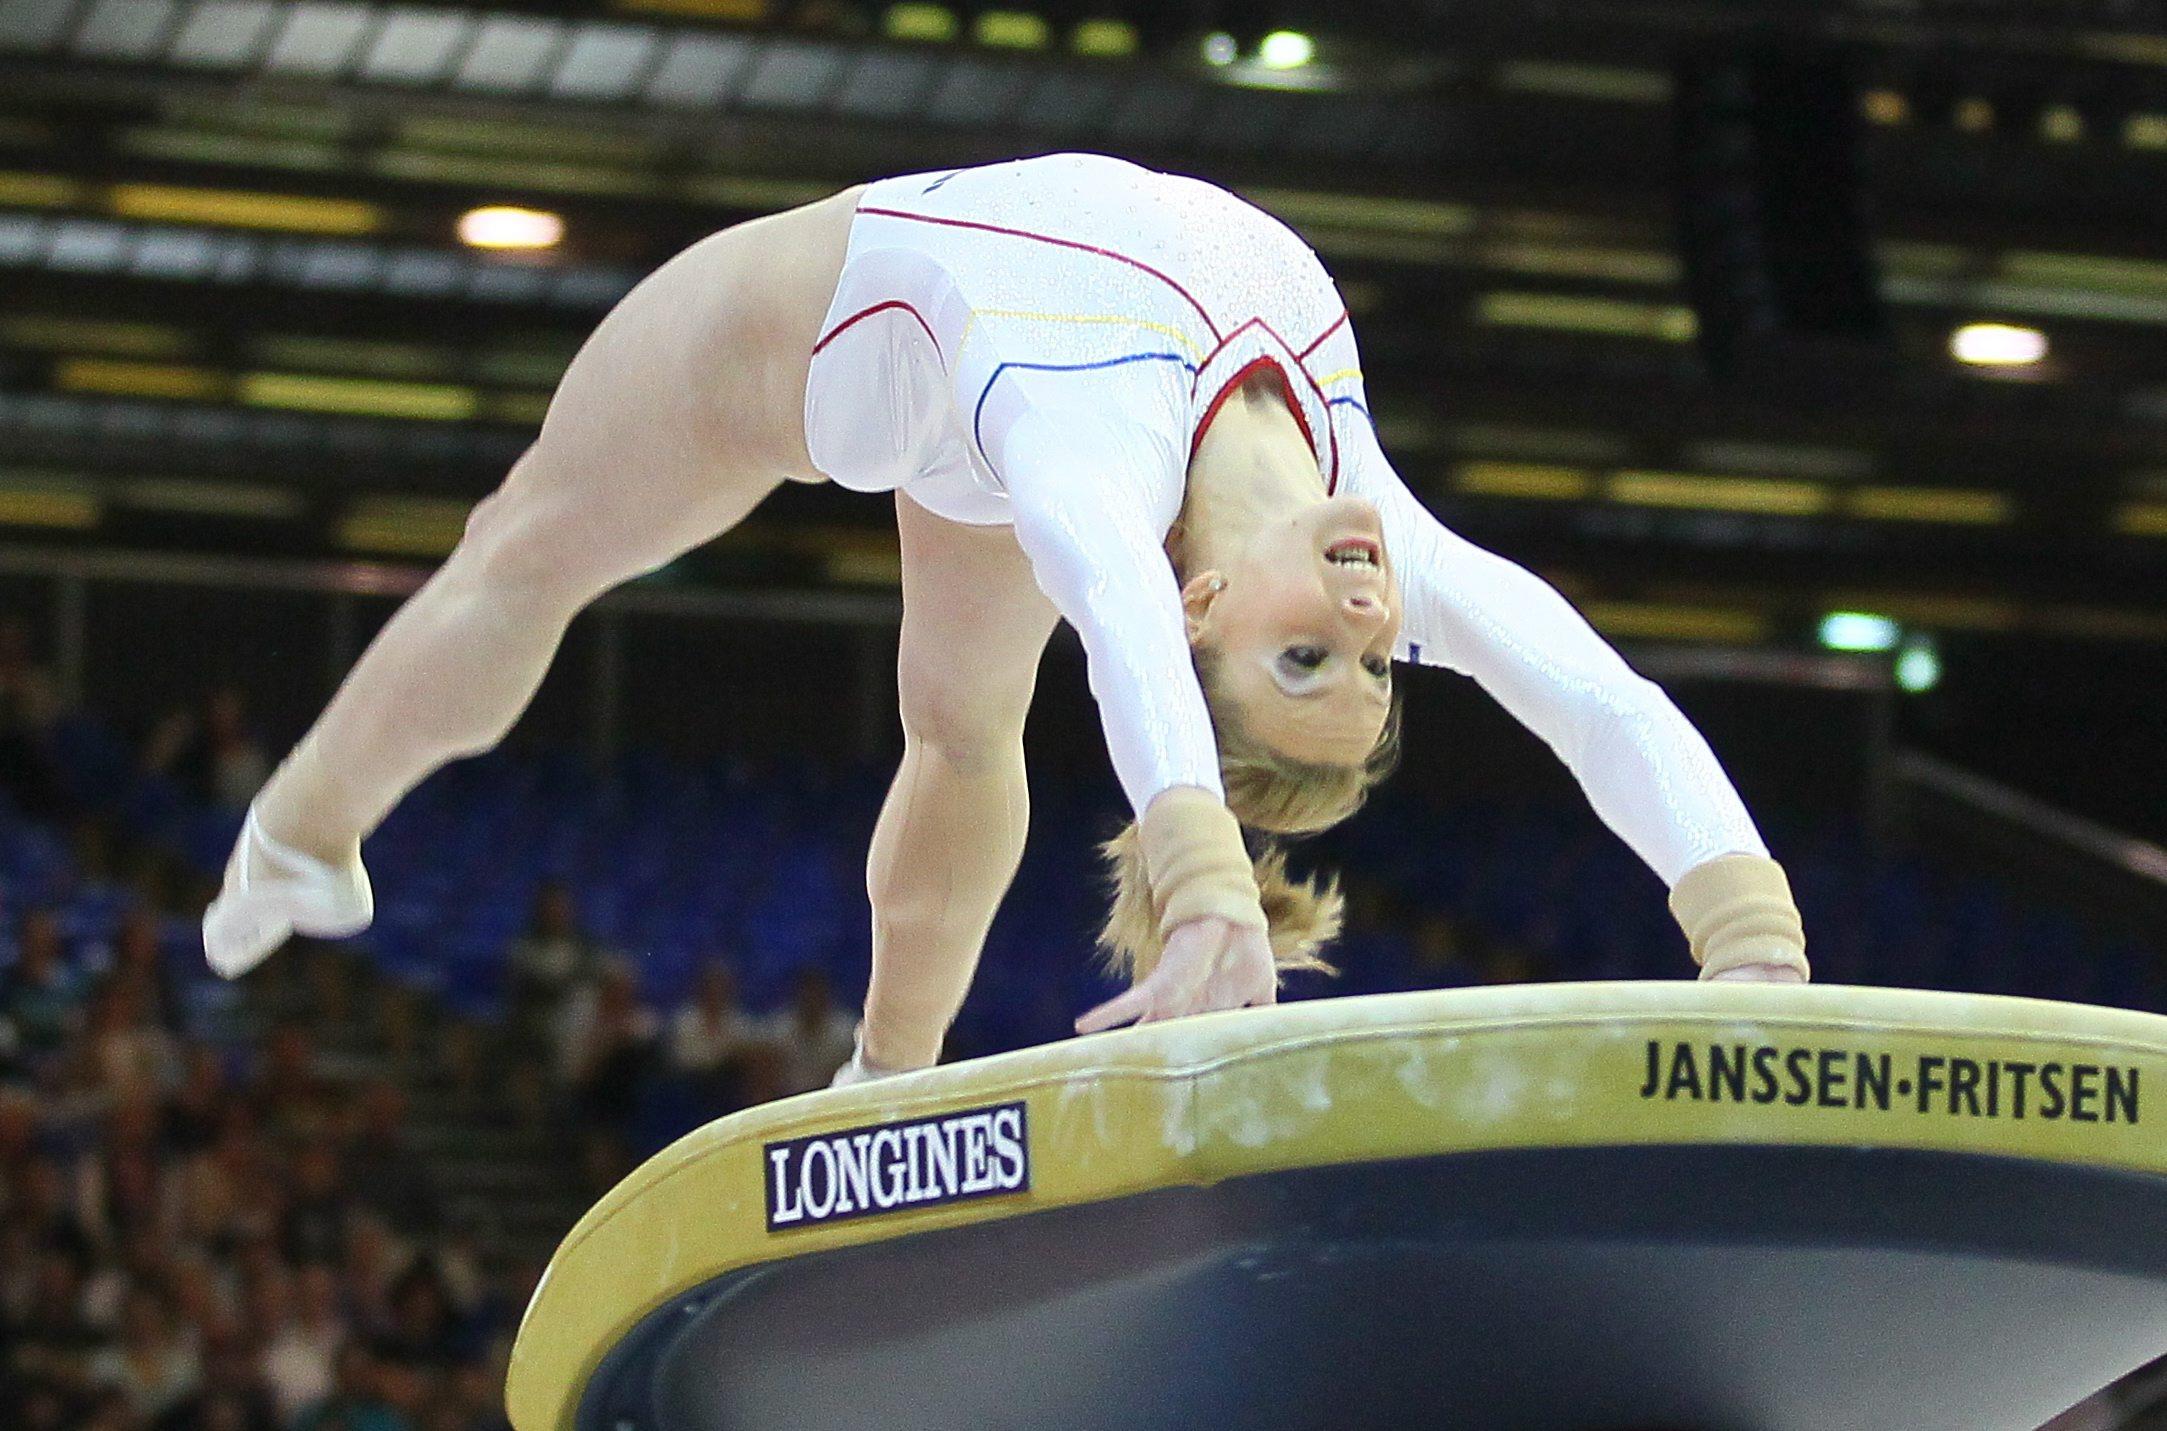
column 1209, row 964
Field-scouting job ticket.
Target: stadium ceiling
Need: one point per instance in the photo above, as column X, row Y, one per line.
column 235, row 293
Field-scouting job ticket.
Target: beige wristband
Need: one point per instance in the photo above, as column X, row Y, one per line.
column 1195, row 861
column 1737, row 909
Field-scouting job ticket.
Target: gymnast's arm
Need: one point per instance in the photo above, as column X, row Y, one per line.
column 1080, row 491
column 1648, row 773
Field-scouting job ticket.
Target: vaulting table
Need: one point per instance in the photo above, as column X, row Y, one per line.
column 1646, row 1205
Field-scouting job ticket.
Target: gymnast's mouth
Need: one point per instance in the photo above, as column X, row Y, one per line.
column 1362, row 552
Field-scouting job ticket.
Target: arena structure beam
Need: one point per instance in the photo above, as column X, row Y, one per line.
column 1579, row 1205
column 760, row 85
column 1486, row 184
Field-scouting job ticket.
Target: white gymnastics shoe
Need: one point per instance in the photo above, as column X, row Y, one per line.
column 272, row 893
column 861, row 1069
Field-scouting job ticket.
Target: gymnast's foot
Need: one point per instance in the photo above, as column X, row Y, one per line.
column 861, row 1069
column 272, row 892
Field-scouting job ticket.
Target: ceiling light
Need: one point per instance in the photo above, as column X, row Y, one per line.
column 1719, row 494
column 1220, row 48
column 296, row 213
column 1929, row 504
column 1538, row 480
column 1884, row 106
column 1660, row 621
column 2061, row 124
column 1919, row 667
column 1012, row 30
column 2142, row 519
column 1997, row 345
column 1286, row 50
column 1104, row 38
column 1858, row 631
column 912, row 21
column 504, row 226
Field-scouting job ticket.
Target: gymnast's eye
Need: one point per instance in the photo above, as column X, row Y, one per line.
column 1306, row 658
column 1377, row 666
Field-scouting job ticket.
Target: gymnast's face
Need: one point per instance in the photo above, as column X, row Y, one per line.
column 1303, row 624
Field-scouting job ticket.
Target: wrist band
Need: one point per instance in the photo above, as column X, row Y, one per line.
column 1737, row 909
column 1195, row 861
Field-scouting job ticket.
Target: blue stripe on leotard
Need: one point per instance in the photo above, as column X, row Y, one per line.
column 978, row 412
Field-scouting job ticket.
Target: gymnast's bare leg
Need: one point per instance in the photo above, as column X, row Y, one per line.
column 677, row 417
column 952, row 830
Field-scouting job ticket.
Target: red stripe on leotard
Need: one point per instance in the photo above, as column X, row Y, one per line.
column 1218, row 399
column 833, row 333
column 1226, row 390
column 1136, row 263
column 1318, row 341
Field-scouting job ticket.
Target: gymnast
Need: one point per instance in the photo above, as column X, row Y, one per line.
column 1098, row 393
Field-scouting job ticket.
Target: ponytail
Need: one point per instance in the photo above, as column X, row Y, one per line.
column 1271, row 795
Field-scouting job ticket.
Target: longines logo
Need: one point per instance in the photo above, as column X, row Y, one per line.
column 890, row 1167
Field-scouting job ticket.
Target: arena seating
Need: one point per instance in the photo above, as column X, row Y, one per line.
column 673, row 863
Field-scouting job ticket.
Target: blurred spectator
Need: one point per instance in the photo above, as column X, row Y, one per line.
column 153, row 1366
column 424, row 1341
column 291, row 1097
column 604, row 1052
column 369, row 1268
column 124, row 1051
column 473, row 1402
column 318, row 1207
column 144, row 1259
column 357, row 1401
column 227, row 1191
column 41, row 1405
column 108, row 1409
column 300, row 1352
column 42, row 997
column 204, row 1291
column 45, row 1201
column 29, row 709
column 211, row 752
column 603, row 1044
column 121, row 1192
column 814, row 1036
column 199, row 1103
column 1440, row 955
column 137, row 956
column 233, row 1395
column 710, row 1036
column 18, row 1138
column 54, row 1342
column 553, row 959
column 383, row 1170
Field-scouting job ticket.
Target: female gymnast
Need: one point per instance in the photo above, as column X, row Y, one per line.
column 1097, row 392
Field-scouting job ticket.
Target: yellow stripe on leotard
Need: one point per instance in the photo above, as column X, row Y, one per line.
column 1188, row 344
column 1330, row 378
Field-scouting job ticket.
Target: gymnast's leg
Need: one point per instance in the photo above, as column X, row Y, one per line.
column 634, row 464
column 951, row 833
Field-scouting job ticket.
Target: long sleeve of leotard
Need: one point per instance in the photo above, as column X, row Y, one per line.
column 1648, row 773
column 1084, row 496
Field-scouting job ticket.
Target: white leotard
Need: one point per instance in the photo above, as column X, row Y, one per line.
column 1040, row 343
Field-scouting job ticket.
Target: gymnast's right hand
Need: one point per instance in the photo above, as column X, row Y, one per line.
column 1209, row 964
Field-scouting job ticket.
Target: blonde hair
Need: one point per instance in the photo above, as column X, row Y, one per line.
column 1272, row 795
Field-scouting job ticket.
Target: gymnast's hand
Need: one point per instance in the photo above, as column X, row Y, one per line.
column 1209, row 964
column 1757, row 974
